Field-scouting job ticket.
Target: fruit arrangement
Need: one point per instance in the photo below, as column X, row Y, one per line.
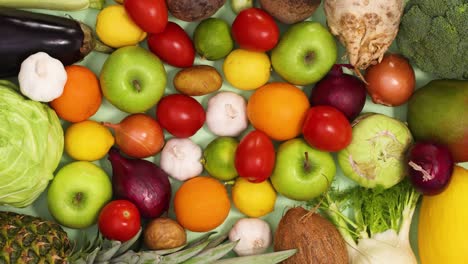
column 153, row 131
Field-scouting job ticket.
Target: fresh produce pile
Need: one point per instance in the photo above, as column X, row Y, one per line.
column 214, row 131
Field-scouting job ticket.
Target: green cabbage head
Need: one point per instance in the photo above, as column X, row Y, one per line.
column 31, row 146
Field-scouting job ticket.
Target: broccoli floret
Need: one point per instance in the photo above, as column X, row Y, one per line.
column 433, row 35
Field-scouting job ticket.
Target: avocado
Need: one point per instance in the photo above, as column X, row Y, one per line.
column 438, row 112
column 290, row 11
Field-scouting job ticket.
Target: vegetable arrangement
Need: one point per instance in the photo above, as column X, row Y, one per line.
column 238, row 118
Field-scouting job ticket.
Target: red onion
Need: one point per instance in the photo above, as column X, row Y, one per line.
column 141, row 182
column 345, row 92
column 430, row 167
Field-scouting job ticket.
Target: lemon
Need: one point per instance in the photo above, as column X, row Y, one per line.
column 247, row 70
column 115, row 28
column 88, row 140
column 442, row 226
column 253, row 199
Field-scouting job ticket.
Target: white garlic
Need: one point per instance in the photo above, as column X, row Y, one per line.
column 226, row 114
column 254, row 236
column 41, row 77
column 180, row 158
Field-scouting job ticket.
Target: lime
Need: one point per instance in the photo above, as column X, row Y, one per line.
column 212, row 38
column 116, row 28
column 253, row 199
column 218, row 158
column 247, row 70
column 88, row 140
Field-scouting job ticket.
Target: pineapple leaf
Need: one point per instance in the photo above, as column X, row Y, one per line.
column 216, row 241
column 183, row 255
column 128, row 244
column 201, row 239
column 107, row 253
column 168, row 251
column 267, row 258
column 212, row 254
column 149, row 258
column 130, row 257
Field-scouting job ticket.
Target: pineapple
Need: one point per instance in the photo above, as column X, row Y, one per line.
column 31, row 240
column 28, row 239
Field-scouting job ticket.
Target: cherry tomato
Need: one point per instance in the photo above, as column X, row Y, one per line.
column 181, row 115
column 119, row 220
column 173, row 46
column 150, row 15
column 326, row 128
column 392, row 81
column 255, row 157
column 255, row 29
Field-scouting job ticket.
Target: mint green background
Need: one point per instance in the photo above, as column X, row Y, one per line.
column 109, row 113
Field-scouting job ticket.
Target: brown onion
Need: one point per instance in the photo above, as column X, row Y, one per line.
column 138, row 135
column 392, row 81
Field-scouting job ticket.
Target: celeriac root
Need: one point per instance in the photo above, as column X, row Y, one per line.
column 366, row 28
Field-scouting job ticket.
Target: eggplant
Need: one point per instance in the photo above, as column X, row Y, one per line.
column 25, row 33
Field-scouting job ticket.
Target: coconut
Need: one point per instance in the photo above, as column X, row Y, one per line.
column 316, row 238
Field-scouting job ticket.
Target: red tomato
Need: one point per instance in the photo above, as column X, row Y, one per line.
column 173, row 46
column 181, row 115
column 255, row 157
column 326, row 128
column 150, row 15
column 254, row 29
column 119, row 220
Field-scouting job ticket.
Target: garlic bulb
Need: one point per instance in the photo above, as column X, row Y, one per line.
column 180, row 158
column 41, row 77
column 254, row 236
column 226, row 114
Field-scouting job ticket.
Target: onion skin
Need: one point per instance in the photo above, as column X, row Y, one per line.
column 138, row 135
column 392, row 81
column 430, row 167
column 141, row 182
column 345, row 92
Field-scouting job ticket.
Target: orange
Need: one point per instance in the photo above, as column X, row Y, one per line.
column 201, row 204
column 81, row 97
column 278, row 109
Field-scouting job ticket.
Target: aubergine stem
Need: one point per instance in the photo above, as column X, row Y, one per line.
column 91, row 43
column 62, row 5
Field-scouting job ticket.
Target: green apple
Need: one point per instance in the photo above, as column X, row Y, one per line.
column 133, row 79
column 305, row 53
column 77, row 194
column 302, row 172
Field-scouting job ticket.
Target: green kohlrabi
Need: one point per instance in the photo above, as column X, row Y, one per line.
column 375, row 223
column 31, row 146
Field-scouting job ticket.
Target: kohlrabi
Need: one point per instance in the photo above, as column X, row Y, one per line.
column 375, row 223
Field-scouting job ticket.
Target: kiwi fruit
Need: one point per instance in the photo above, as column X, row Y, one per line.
column 189, row 10
column 290, row 11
